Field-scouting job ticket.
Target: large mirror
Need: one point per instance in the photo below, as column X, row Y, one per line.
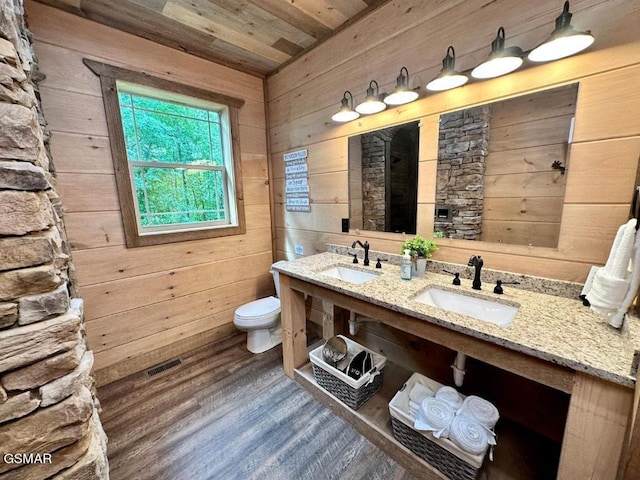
column 501, row 172
column 383, row 179
column 502, row 169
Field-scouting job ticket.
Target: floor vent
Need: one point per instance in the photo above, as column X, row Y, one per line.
column 161, row 368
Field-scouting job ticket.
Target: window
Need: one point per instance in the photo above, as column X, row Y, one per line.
column 173, row 149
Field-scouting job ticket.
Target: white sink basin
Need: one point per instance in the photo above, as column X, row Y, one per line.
column 349, row 275
column 480, row 309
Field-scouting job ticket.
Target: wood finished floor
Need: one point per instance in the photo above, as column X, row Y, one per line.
column 227, row 414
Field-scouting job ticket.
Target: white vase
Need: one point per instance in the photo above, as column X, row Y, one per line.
column 421, row 266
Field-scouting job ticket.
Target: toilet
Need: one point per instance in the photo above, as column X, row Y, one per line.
column 261, row 320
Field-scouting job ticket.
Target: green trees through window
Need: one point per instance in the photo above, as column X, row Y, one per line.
column 177, row 161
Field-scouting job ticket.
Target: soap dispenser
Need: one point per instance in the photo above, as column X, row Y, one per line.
column 405, row 267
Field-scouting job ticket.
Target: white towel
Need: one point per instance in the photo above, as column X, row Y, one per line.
column 419, row 392
column 617, row 318
column 607, row 292
column 611, row 283
column 468, row 434
column 482, row 410
column 618, row 261
column 451, row 396
column 434, row 416
column 588, row 284
column 413, row 408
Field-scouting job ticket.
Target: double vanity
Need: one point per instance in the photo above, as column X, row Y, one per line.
column 549, row 339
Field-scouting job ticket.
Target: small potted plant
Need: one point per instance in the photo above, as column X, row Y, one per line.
column 420, row 249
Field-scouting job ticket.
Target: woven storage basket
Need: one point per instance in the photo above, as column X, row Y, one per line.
column 352, row 392
column 443, row 454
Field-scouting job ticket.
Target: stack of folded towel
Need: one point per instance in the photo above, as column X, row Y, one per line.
column 611, row 289
column 417, row 394
column 468, row 423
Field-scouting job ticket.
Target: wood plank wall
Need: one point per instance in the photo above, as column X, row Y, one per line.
column 523, row 194
column 416, row 34
column 147, row 304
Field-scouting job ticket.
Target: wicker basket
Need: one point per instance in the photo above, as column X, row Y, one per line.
column 352, row 392
column 443, row 454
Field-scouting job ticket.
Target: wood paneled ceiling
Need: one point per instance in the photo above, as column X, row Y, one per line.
column 255, row 36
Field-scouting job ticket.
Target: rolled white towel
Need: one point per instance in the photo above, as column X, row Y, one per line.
column 482, row 410
column 619, row 265
column 419, row 392
column 615, row 248
column 607, row 292
column 617, row 318
column 471, row 436
column 451, row 396
column 587, row 285
column 435, row 416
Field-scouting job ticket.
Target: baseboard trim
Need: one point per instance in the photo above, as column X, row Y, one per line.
column 146, row 360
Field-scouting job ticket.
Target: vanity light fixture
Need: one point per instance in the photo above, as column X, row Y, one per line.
column 372, row 101
column 402, row 93
column 448, row 77
column 501, row 60
column 346, row 112
column 564, row 40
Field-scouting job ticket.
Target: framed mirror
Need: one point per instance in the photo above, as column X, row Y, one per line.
column 502, row 169
column 383, row 179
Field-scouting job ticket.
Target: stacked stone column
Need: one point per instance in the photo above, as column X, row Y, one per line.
column 462, row 153
column 47, row 394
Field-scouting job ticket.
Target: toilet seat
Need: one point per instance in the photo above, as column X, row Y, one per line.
column 261, row 312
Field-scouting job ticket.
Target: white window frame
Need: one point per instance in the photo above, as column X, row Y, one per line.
column 226, row 169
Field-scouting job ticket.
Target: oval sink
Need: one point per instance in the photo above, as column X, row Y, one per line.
column 349, row 275
column 480, row 309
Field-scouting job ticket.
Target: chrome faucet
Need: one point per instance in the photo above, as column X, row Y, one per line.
column 366, row 251
column 476, row 261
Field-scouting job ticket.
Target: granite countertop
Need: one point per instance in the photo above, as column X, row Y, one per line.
column 553, row 328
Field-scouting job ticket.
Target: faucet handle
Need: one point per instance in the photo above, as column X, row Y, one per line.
column 498, row 288
column 456, row 279
column 355, row 257
column 378, row 264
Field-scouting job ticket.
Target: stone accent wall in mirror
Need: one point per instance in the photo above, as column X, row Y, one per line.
column 502, row 169
column 383, row 179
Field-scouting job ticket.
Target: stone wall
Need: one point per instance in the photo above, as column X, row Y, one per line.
column 47, row 393
column 463, row 143
column 374, row 148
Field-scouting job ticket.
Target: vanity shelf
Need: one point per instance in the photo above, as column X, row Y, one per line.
column 552, row 341
column 521, row 454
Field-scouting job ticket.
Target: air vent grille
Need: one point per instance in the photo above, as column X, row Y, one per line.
column 163, row 367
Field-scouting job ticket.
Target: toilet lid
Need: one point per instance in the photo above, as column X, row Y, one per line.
column 259, row 308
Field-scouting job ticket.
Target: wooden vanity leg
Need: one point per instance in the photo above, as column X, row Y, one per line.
column 329, row 328
column 294, row 326
column 594, row 435
column 630, row 465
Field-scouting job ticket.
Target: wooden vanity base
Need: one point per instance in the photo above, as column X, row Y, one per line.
column 597, row 424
